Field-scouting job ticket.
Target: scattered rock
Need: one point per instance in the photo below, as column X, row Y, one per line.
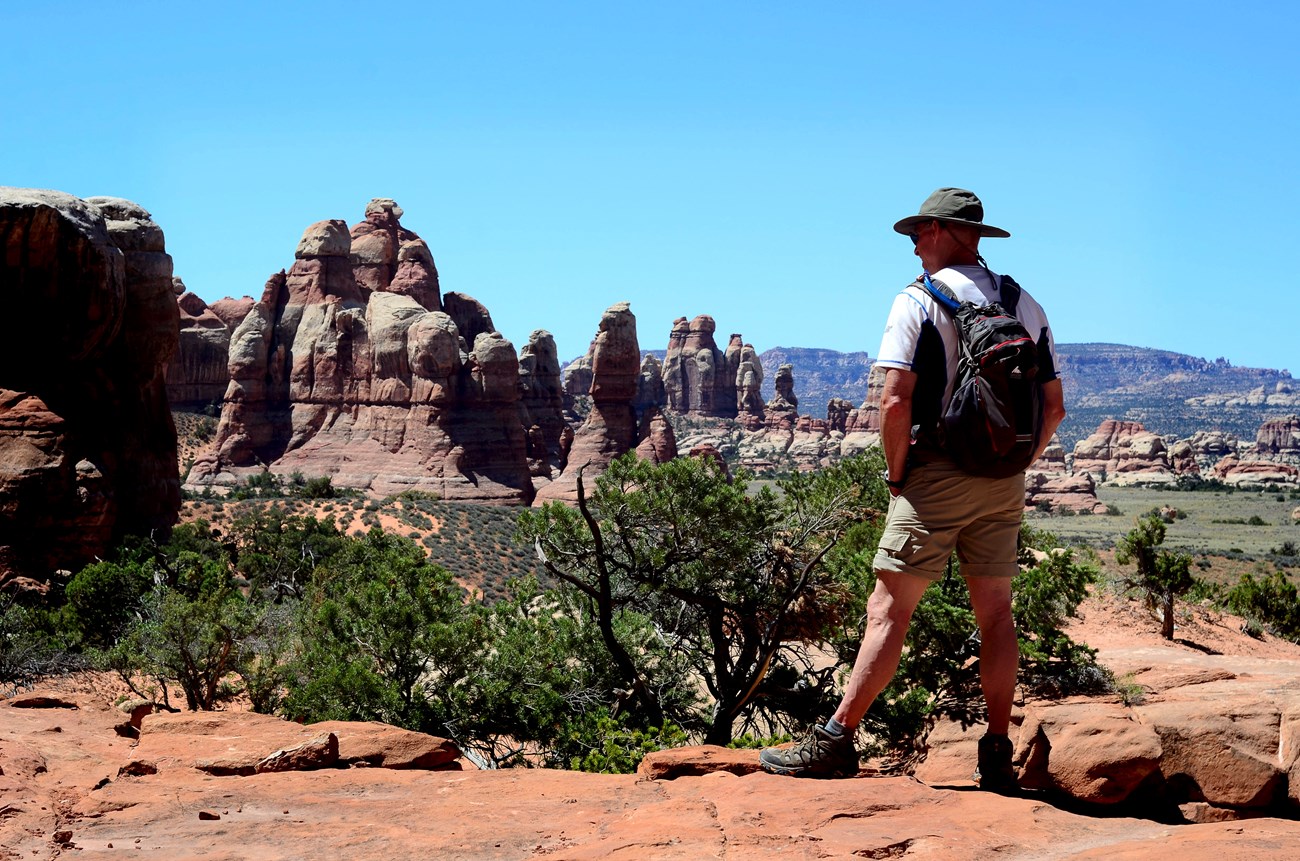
column 40, row 701
column 695, row 761
column 319, row 752
column 377, row 744
column 137, row 768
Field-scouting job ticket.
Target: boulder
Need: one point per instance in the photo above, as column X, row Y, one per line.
column 696, row 761
column 1099, row 753
column 383, row 746
column 1226, row 756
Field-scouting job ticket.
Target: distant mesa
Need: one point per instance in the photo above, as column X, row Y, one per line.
column 87, row 444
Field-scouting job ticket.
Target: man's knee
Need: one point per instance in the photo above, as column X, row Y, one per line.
column 894, row 598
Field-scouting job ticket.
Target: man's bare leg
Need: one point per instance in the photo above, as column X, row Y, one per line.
column 990, row 597
column 889, row 610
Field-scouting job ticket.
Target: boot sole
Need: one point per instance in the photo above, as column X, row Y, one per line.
column 799, row 771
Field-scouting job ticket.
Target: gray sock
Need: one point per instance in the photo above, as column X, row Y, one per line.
column 834, row 727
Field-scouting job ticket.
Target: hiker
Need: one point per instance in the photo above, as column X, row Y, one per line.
column 935, row 504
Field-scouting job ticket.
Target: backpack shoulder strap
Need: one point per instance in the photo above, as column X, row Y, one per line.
column 1008, row 294
column 941, row 292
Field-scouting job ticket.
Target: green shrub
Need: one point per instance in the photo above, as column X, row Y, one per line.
column 1162, row 575
column 378, row 621
column 190, row 636
column 1270, row 600
column 103, row 599
column 613, row 748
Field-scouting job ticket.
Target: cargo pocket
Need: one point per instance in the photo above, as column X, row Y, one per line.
column 892, row 542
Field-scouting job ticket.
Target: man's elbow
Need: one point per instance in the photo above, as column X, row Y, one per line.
column 1056, row 413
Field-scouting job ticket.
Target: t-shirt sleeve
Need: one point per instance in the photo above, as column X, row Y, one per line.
column 902, row 332
column 1035, row 321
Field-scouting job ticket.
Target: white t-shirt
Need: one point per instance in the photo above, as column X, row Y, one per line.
column 914, row 306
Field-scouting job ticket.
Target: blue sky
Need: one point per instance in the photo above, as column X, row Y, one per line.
column 739, row 159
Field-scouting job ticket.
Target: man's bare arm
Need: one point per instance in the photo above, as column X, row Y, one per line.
column 1053, row 414
column 896, row 421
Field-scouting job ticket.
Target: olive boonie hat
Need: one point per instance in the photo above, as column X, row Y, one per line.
column 955, row 206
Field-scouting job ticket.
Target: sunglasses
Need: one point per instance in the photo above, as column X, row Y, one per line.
column 915, row 235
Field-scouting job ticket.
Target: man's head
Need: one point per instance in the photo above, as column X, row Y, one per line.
column 948, row 228
column 951, row 206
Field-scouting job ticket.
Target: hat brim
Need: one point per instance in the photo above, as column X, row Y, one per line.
column 905, row 226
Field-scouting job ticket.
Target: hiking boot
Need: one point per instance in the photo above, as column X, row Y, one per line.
column 994, row 771
column 821, row 754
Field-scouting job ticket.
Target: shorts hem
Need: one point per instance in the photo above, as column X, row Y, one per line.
column 889, row 563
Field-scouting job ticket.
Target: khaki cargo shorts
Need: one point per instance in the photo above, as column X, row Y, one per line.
column 941, row 507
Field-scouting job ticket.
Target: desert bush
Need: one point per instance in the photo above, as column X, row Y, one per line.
column 104, row 598
column 1162, row 575
column 383, row 637
column 321, row 487
column 1270, row 600
column 32, row 646
column 614, row 748
column 191, row 634
column 728, row 578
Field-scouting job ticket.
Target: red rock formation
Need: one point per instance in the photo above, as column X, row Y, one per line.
column 1123, row 452
column 386, row 256
column 749, row 382
column 1052, row 460
column 650, row 395
column 341, row 370
column 1056, row 492
column 700, row 379
column 232, row 311
column 1234, row 470
column 542, row 403
column 1279, row 439
column 87, row 445
column 783, row 410
column 198, row 374
column 658, row 443
column 611, row 427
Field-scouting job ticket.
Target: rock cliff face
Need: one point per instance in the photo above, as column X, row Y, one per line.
column 198, row 374
column 87, row 445
column 351, row 366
